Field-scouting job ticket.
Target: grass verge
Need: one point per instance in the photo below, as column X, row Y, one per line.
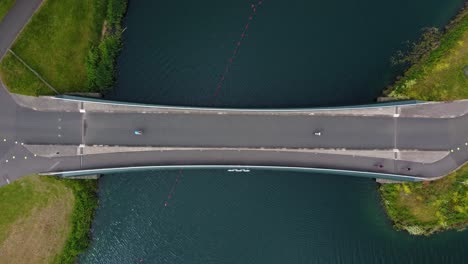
column 55, row 43
column 34, row 210
column 439, row 75
column 428, row 207
column 78, row 240
column 5, row 5
column 37, row 209
column 20, row 80
column 58, row 44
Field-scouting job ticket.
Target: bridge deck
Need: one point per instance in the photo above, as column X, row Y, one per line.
column 222, row 136
column 180, row 136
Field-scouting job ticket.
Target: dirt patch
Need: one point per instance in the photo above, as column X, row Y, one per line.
column 104, row 30
column 39, row 237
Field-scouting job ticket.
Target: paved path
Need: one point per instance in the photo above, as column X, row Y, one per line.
column 15, row 21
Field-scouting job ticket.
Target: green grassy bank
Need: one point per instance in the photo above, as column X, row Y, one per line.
column 439, row 75
column 38, row 209
column 86, row 202
column 5, row 5
column 57, row 44
column 425, row 208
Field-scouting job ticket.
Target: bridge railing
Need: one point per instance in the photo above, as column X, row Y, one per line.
column 111, row 102
column 238, row 169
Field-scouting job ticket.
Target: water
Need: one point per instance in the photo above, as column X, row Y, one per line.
column 294, row 53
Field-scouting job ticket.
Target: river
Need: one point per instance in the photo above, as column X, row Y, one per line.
column 273, row 53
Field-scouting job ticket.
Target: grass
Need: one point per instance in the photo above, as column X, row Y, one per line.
column 34, row 210
column 20, row 80
column 439, row 75
column 5, row 5
column 81, row 219
column 428, row 207
column 101, row 59
column 56, row 43
column 37, row 209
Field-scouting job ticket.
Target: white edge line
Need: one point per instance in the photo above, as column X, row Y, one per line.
column 236, row 109
column 117, row 169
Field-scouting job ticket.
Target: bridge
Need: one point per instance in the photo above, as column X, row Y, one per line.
column 77, row 136
column 74, row 136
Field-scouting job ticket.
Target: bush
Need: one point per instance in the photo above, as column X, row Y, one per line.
column 429, row 41
column 422, row 208
column 82, row 218
column 101, row 60
column 116, row 10
column 424, row 80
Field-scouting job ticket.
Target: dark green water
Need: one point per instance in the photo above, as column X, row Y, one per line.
column 295, row 53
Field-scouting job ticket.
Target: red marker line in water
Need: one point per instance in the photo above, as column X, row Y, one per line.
column 219, row 85
column 173, row 189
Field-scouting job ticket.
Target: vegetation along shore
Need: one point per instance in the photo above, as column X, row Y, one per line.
column 73, row 46
column 438, row 72
column 37, row 209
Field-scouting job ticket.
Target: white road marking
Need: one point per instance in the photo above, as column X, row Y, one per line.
column 53, row 166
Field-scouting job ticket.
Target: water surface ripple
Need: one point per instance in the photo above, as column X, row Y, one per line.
column 295, row 53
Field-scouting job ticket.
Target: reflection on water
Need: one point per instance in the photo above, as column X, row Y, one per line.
column 292, row 53
column 214, row 216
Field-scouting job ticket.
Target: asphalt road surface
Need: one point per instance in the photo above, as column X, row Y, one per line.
column 276, row 131
column 20, row 125
column 203, row 129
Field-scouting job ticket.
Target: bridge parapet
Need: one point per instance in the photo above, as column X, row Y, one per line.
column 410, row 109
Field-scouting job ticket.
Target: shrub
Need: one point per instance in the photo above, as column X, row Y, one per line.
column 101, row 60
column 82, row 217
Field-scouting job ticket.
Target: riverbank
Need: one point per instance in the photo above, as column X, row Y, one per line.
column 37, row 209
column 85, row 204
column 439, row 75
column 429, row 207
column 51, row 51
column 5, row 5
column 54, row 52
